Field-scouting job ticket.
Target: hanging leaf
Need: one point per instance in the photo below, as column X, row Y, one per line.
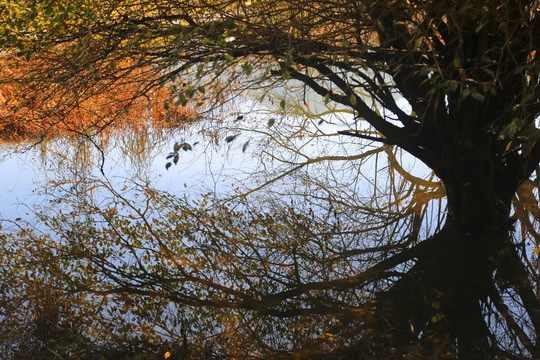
column 231, row 138
column 477, row 96
column 271, row 122
column 245, row 146
column 168, row 165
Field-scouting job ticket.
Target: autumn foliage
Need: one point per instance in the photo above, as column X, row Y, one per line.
column 455, row 84
column 30, row 110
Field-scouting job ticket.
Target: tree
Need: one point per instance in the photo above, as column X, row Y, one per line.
column 466, row 70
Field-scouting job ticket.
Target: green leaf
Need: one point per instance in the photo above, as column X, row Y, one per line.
column 286, row 75
column 247, row 68
column 271, row 122
column 189, row 92
column 183, row 100
column 477, row 96
column 200, row 70
column 282, row 104
column 228, row 59
column 512, row 129
column 231, row 138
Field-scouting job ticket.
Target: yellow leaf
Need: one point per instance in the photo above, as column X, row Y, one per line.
column 352, row 99
column 167, row 355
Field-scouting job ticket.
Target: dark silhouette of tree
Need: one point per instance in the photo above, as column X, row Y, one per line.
column 468, row 74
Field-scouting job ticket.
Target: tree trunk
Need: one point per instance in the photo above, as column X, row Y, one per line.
column 443, row 293
column 479, row 199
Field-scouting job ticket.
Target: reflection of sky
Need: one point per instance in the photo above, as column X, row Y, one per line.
column 16, row 184
column 141, row 156
column 24, row 175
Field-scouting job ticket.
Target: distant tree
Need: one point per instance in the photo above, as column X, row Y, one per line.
column 454, row 83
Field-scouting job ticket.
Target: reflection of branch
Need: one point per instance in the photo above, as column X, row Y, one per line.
column 308, row 162
column 349, row 282
column 515, row 273
column 406, row 175
column 368, row 250
column 510, row 322
column 358, row 134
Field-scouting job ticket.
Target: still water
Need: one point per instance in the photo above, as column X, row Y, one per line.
column 28, row 172
column 253, row 147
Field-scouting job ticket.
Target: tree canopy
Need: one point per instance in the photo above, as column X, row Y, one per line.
column 453, row 83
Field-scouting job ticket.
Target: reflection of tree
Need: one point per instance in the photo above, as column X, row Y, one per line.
column 468, row 73
column 269, row 276
column 41, row 317
column 274, row 276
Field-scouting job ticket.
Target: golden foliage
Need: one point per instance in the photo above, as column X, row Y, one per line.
column 32, row 110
